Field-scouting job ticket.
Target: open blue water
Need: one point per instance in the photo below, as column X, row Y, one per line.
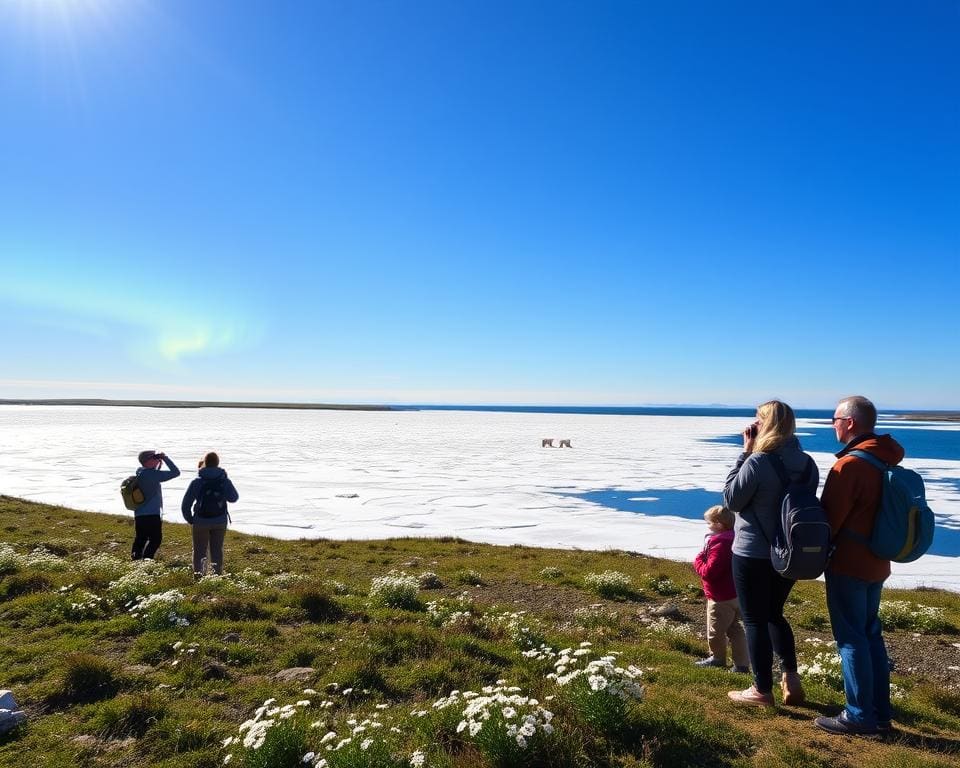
column 919, row 443
column 689, row 503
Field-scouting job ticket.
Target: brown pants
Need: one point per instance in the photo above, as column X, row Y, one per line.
column 204, row 537
column 723, row 622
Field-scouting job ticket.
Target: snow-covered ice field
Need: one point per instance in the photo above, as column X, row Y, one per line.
column 629, row 482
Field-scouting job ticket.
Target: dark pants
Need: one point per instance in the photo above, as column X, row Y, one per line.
column 762, row 593
column 148, row 536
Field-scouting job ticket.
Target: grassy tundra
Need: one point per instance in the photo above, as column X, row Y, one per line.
column 415, row 652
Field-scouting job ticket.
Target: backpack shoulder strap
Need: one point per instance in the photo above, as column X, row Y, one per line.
column 882, row 466
column 870, row 459
column 780, row 468
column 777, row 463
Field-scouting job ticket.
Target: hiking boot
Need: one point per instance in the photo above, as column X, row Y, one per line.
column 792, row 689
column 740, row 670
column 842, row 726
column 710, row 661
column 884, row 726
column 751, row 696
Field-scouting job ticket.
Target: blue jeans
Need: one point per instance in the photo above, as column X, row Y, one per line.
column 762, row 593
column 854, row 605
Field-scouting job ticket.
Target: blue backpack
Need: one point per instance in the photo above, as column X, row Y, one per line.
column 903, row 529
column 800, row 546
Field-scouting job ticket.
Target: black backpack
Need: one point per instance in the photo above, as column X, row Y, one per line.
column 800, row 547
column 211, row 501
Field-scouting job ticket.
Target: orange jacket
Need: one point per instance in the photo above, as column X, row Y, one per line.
column 851, row 497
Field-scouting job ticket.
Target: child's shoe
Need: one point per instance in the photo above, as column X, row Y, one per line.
column 740, row 670
column 792, row 689
column 710, row 661
column 751, row 696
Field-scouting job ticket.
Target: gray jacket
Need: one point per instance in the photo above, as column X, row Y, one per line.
column 753, row 490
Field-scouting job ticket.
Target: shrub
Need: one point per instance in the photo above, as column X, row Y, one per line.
column 469, row 576
column 42, row 559
column 137, row 581
column 395, row 590
column 276, row 744
column 595, row 616
column 83, row 605
column 10, row 561
column 25, row 584
column 601, row 692
column 824, row 669
column 316, row 603
column 98, row 569
column 234, row 608
column 88, row 678
column 524, row 632
column 130, row 715
column 429, row 580
column 662, row 585
column 551, row 572
column 609, row 584
column 160, row 610
column 508, row 728
column 902, row 614
column 451, row 613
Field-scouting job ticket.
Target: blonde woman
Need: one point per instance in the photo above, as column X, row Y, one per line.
column 754, row 491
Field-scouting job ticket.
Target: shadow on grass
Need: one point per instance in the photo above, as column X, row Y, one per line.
column 676, row 737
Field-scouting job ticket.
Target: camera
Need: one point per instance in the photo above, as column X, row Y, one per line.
column 752, row 430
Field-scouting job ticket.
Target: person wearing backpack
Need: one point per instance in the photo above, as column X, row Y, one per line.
column 204, row 506
column 852, row 496
column 148, row 515
column 755, row 490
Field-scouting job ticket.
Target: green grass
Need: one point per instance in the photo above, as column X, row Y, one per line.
column 108, row 682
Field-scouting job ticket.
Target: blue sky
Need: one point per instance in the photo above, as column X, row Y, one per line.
column 480, row 202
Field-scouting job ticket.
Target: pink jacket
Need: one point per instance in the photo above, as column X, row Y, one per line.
column 713, row 565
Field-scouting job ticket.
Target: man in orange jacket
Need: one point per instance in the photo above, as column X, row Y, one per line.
column 855, row 576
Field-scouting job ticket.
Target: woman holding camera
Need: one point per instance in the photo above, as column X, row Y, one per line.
column 754, row 491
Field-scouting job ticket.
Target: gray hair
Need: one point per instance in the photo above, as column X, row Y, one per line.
column 863, row 412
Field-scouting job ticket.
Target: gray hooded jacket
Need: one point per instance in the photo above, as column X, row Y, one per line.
column 753, row 490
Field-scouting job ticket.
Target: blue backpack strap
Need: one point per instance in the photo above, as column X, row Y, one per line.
column 870, row 459
column 882, row 466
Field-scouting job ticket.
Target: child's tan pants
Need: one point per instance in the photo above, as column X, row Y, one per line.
column 723, row 622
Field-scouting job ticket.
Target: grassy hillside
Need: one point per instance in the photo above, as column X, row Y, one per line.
column 457, row 663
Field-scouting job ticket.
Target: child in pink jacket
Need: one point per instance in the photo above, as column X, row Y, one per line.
column 713, row 566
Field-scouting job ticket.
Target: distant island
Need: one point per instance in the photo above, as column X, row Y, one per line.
column 929, row 416
column 200, row 404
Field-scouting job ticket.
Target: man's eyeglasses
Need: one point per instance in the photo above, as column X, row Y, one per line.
column 835, row 419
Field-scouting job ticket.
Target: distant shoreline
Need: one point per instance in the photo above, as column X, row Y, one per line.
column 930, row 416
column 198, row 404
column 659, row 410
